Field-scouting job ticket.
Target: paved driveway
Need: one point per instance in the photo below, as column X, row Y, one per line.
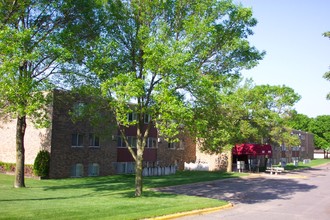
column 296, row 195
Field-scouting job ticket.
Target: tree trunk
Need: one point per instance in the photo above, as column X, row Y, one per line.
column 230, row 161
column 20, row 151
column 138, row 171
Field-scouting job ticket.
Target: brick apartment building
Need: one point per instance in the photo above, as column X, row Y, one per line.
column 288, row 154
column 83, row 148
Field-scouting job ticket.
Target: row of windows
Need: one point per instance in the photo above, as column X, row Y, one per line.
column 176, row 145
column 133, row 116
column 77, row 170
column 94, row 141
column 77, row 140
column 132, row 141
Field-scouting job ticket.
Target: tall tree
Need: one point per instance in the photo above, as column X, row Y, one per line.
column 299, row 121
column 36, row 38
column 270, row 109
column 167, row 58
column 248, row 113
column 320, row 126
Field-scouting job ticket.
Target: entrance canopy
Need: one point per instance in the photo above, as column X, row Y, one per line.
column 252, row 149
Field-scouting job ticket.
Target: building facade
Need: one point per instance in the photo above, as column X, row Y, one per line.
column 80, row 147
column 289, row 154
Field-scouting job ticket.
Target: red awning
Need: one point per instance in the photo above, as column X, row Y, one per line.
column 252, row 149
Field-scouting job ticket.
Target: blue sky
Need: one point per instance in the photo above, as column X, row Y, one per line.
column 290, row 31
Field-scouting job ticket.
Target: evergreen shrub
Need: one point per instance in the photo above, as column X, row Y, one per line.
column 41, row 164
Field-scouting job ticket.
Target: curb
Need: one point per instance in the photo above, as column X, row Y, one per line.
column 193, row 212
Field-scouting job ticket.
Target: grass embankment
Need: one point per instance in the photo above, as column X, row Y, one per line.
column 109, row 197
column 301, row 165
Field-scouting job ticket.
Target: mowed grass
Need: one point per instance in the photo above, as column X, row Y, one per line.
column 109, row 197
column 301, row 165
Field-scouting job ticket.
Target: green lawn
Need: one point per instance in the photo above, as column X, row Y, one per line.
column 109, row 197
column 301, row 165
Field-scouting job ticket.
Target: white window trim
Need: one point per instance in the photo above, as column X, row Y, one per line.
column 171, row 145
column 75, row 166
column 146, row 118
column 152, row 139
column 134, row 116
column 94, row 167
column 77, row 140
column 121, row 141
column 181, row 145
column 130, row 140
column 93, row 136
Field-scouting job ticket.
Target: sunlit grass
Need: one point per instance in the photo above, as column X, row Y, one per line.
column 301, row 165
column 109, row 197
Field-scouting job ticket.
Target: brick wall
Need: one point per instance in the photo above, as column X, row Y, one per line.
column 58, row 141
column 184, row 152
column 215, row 161
column 64, row 155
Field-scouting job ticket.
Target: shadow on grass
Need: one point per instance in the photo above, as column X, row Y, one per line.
column 188, row 177
column 119, row 186
column 127, row 194
column 126, row 182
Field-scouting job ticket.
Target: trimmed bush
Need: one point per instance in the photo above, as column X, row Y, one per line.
column 8, row 167
column 41, row 164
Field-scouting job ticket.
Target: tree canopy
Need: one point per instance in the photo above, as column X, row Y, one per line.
column 166, row 58
column 39, row 43
column 249, row 114
column 320, row 127
column 299, row 121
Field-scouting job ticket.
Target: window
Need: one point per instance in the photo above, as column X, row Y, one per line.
column 132, row 140
column 181, row 144
column 146, row 118
column 77, row 140
column 125, row 167
column 94, row 140
column 93, row 169
column 120, row 142
column 131, row 116
column 77, row 170
column 171, row 145
column 151, row 142
column 295, row 148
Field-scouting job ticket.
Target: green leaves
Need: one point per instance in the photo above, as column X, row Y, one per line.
column 34, row 51
column 319, row 126
column 175, row 60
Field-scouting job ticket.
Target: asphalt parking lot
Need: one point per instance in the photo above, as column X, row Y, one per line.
column 301, row 194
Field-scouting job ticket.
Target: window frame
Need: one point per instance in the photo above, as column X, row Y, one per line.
column 146, row 118
column 75, row 170
column 132, row 140
column 93, row 169
column 93, row 140
column 78, row 142
column 151, row 141
column 171, row 145
column 132, row 116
